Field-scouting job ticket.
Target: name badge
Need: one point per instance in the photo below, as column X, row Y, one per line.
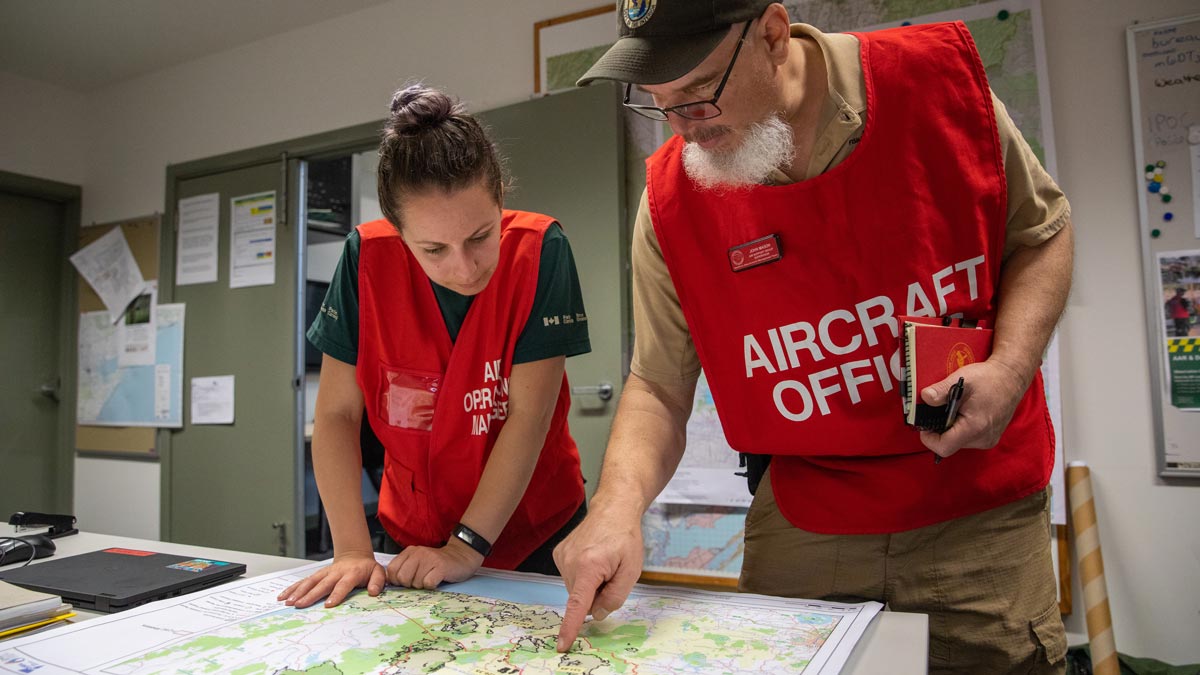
column 754, row 253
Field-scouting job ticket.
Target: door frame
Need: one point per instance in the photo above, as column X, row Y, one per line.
column 70, row 198
column 289, row 154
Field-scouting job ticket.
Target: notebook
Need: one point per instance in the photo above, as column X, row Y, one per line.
column 934, row 349
column 116, row 579
column 19, row 603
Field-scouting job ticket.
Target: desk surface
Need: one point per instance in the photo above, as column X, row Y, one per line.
column 895, row 642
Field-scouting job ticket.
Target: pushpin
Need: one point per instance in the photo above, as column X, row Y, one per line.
column 1166, row 199
column 1168, row 216
column 1149, row 168
column 1154, row 234
column 1155, row 186
column 1149, row 175
column 1002, row 15
column 1163, row 190
column 1160, row 164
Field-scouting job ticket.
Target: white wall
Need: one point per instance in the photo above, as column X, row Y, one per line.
column 117, row 497
column 43, row 130
column 322, row 77
column 340, row 73
column 1149, row 530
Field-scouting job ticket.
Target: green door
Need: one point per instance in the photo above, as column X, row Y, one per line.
column 32, row 238
column 565, row 155
column 234, row 486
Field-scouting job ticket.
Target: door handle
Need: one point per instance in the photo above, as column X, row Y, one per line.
column 604, row 390
column 49, row 389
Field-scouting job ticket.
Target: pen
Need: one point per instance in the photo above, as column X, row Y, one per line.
column 955, row 395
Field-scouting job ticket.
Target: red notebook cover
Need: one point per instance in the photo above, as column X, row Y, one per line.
column 934, row 348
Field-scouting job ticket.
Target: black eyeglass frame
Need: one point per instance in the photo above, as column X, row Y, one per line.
column 660, row 114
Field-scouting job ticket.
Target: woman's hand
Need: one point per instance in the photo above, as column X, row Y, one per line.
column 424, row 567
column 346, row 573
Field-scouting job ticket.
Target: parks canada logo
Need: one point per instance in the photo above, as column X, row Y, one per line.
column 959, row 356
column 637, row 12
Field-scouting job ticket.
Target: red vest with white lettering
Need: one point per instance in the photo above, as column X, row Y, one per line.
column 802, row 354
column 439, row 406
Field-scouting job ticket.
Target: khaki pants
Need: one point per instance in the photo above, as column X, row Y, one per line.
column 986, row 581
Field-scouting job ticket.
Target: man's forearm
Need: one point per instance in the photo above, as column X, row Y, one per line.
column 1034, row 285
column 647, row 441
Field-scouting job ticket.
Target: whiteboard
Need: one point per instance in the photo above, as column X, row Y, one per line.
column 1164, row 83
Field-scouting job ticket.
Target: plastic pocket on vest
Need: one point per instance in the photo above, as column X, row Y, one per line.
column 410, row 398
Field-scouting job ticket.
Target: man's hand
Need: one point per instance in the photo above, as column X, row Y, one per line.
column 991, row 392
column 600, row 562
column 346, row 573
column 424, row 567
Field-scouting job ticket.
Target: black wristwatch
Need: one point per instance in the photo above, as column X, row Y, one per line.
column 473, row 539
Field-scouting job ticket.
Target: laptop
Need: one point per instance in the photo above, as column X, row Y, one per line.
column 116, row 579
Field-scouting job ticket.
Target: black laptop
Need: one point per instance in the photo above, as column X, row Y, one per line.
column 116, row 579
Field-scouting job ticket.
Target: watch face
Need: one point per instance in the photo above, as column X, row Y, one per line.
column 472, row 539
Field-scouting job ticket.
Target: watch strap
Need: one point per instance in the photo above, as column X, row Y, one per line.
column 473, row 539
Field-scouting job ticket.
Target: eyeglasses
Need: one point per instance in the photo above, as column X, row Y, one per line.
column 696, row 110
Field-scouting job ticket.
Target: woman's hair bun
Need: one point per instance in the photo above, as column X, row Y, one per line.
column 417, row 107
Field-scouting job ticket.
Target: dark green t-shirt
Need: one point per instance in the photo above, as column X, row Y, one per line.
column 557, row 325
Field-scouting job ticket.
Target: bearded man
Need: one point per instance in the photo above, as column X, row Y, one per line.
column 818, row 187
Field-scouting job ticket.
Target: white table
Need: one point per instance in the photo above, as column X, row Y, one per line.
column 896, row 642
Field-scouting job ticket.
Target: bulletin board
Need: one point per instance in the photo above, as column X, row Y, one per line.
column 1164, row 81
column 129, row 442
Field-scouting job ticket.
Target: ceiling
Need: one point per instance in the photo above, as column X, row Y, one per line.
column 88, row 44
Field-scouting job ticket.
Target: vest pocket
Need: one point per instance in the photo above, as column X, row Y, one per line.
column 407, row 508
column 409, row 398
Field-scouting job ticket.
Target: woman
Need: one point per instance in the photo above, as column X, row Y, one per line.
column 449, row 322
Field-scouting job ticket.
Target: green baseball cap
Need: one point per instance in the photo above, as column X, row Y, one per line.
column 662, row 40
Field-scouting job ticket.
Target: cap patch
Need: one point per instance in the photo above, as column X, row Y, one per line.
column 637, row 12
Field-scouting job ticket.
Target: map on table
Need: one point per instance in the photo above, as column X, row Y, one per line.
column 498, row 622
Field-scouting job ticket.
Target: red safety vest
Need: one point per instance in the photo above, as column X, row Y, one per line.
column 1178, row 307
column 439, row 406
column 801, row 354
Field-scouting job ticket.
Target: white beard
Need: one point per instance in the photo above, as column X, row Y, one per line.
column 767, row 146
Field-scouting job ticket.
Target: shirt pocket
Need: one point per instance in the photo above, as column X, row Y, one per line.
column 409, row 398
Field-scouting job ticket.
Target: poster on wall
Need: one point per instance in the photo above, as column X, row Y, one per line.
column 1179, row 275
column 252, row 240
column 143, row 394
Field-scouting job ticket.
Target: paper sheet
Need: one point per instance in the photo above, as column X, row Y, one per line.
column 713, row 487
column 137, row 331
column 212, row 400
column 196, row 242
column 108, row 266
column 252, row 240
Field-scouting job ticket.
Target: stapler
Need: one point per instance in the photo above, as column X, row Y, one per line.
column 60, row 524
